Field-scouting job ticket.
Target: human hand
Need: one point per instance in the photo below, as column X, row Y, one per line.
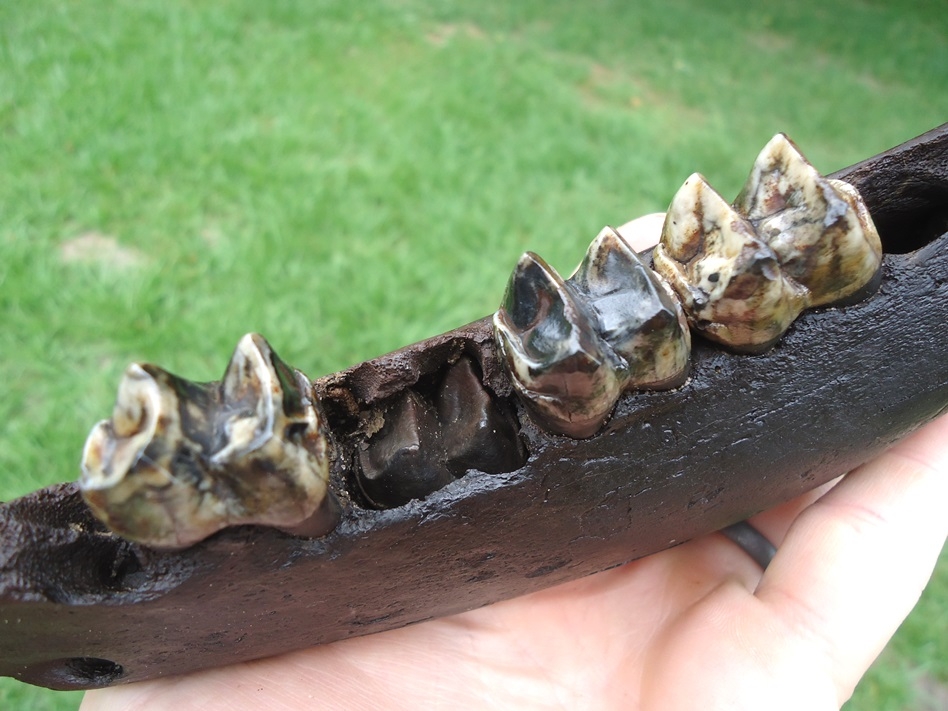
column 695, row 627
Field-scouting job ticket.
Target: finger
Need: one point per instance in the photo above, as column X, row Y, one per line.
column 853, row 564
column 643, row 232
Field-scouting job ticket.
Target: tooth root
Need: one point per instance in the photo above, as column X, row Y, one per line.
column 478, row 433
column 819, row 228
column 729, row 282
column 637, row 314
column 404, row 461
column 565, row 374
column 181, row 460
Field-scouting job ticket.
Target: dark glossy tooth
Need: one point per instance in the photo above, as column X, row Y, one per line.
column 729, row 282
column 179, row 461
column 819, row 228
column 405, row 459
column 566, row 375
column 637, row 314
column 478, row 433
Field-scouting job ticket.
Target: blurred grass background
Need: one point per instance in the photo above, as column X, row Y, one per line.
column 347, row 178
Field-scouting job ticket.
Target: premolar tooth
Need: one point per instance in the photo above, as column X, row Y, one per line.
column 567, row 376
column 181, row 460
column 637, row 314
column 819, row 228
column 729, row 282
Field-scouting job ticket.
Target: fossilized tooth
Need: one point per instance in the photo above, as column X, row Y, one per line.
column 179, row 461
column 405, row 459
column 729, row 282
column 638, row 315
column 567, row 376
column 478, row 433
column 819, row 228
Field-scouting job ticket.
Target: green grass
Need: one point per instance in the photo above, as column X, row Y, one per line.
column 347, row 179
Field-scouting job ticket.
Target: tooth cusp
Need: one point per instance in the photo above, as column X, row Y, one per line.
column 819, row 228
column 564, row 373
column 729, row 282
column 792, row 240
column 248, row 450
column 635, row 314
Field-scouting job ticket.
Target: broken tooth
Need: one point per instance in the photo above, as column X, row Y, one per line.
column 637, row 314
column 819, row 228
column 566, row 375
column 729, row 282
column 403, row 461
column 181, row 460
column 478, row 432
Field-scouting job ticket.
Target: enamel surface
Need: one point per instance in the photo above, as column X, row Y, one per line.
column 566, row 375
column 636, row 313
column 178, row 461
column 729, row 281
column 819, row 228
column 571, row 347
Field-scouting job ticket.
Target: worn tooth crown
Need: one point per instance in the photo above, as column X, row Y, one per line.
column 819, row 228
column 637, row 314
column 566, row 375
column 729, row 282
column 181, row 460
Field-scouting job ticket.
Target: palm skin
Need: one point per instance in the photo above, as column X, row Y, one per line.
column 695, row 627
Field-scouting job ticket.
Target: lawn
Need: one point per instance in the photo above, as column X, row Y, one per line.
column 347, row 178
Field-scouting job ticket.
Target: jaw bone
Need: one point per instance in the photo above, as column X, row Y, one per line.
column 179, row 461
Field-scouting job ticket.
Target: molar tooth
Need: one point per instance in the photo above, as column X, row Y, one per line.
column 819, row 228
column 566, row 375
column 181, row 460
column 729, row 282
column 637, row 313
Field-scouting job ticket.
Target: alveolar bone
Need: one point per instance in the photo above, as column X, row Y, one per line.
column 819, row 228
column 729, row 282
column 179, row 460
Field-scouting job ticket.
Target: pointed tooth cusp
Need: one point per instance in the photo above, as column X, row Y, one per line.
column 729, row 282
column 637, row 314
column 819, row 228
column 181, row 460
column 566, row 375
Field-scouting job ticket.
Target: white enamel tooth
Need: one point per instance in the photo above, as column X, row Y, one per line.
column 181, row 460
column 637, row 314
column 729, row 282
column 819, row 228
column 565, row 374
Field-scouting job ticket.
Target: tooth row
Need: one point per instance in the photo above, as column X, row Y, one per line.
column 180, row 460
column 739, row 275
column 571, row 347
column 792, row 240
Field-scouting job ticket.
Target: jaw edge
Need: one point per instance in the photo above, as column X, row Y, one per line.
column 88, row 608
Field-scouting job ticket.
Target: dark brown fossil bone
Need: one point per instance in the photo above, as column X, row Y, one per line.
column 81, row 607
